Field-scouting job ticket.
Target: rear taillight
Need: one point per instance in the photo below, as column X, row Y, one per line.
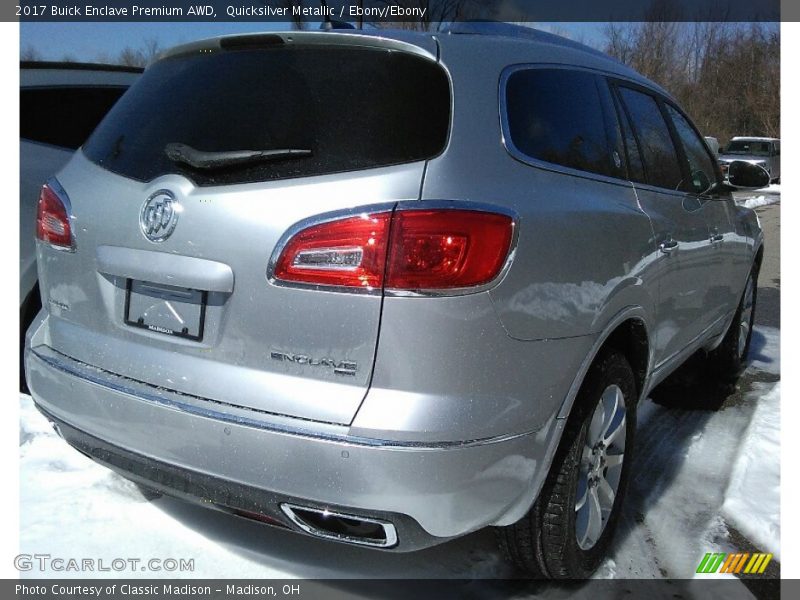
column 445, row 249
column 415, row 249
column 349, row 252
column 52, row 219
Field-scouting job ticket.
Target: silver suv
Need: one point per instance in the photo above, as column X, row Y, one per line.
column 761, row 151
column 376, row 289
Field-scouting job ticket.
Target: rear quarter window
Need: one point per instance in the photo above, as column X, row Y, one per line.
column 655, row 141
column 563, row 117
column 64, row 116
column 353, row 108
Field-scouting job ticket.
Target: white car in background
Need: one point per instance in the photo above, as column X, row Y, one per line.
column 60, row 105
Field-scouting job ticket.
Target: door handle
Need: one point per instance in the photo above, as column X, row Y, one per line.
column 668, row 245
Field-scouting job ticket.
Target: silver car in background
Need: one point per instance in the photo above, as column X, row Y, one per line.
column 761, row 151
column 369, row 288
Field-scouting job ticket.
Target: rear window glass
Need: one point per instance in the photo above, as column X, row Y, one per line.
column 353, row 108
column 64, row 116
column 558, row 116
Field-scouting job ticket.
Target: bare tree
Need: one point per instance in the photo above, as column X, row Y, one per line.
column 142, row 56
column 727, row 76
column 30, row 53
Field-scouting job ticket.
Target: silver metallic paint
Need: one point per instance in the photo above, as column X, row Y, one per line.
column 462, row 399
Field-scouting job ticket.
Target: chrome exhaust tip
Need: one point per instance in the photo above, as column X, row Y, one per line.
column 363, row 531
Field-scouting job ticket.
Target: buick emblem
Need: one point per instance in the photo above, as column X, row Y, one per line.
column 159, row 216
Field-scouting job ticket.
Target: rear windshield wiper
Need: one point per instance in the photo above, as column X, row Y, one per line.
column 200, row 159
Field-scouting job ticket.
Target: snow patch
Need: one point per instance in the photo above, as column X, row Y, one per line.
column 753, row 497
column 757, row 201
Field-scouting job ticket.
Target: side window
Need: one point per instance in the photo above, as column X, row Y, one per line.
column 701, row 167
column 64, row 116
column 632, row 153
column 558, row 116
column 655, row 142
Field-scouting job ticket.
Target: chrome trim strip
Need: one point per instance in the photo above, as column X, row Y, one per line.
column 677, row 357
column 389, row 530
column 137, row 389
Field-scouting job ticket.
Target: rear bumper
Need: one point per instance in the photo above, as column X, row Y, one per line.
column 180, row 445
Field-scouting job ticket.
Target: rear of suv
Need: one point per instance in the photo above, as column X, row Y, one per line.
column 354, row 286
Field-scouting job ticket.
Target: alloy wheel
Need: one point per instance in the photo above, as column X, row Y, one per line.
column 600, row 467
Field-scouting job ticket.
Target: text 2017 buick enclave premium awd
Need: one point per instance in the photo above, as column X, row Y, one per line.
column 369, row 287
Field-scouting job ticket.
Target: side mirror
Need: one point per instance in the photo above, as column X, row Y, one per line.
column 745, row 175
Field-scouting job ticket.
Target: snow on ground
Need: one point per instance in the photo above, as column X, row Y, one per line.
column 763, row 197
column 755, row 482
column 692, row 467
column 757, row 201
column 681, row 476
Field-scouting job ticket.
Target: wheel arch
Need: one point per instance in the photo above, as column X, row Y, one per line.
column 628, row 332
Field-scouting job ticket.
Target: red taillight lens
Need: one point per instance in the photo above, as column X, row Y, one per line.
column 349, row 252
column 436, row 249
column 52, row 220
column 445, row 249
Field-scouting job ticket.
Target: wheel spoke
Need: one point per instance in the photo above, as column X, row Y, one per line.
column 595, row 525
column 582, row 496
column 614, row 460
column 611, row 406
column 610, row 436
column 606, row 495
column 597, row 426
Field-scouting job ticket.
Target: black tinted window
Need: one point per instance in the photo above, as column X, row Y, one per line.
column 658, row 151
column 557, row 116
column 64, row 116
column 700, row 166
column 353, row 108
column 632, row 153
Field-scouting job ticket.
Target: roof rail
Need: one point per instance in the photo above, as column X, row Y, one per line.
column 77, row 66
column 509, row 30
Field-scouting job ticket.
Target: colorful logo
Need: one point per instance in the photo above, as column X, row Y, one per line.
column 741, row 562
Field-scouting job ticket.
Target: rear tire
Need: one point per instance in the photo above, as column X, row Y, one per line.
column 567, row 532
column 729, row 358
